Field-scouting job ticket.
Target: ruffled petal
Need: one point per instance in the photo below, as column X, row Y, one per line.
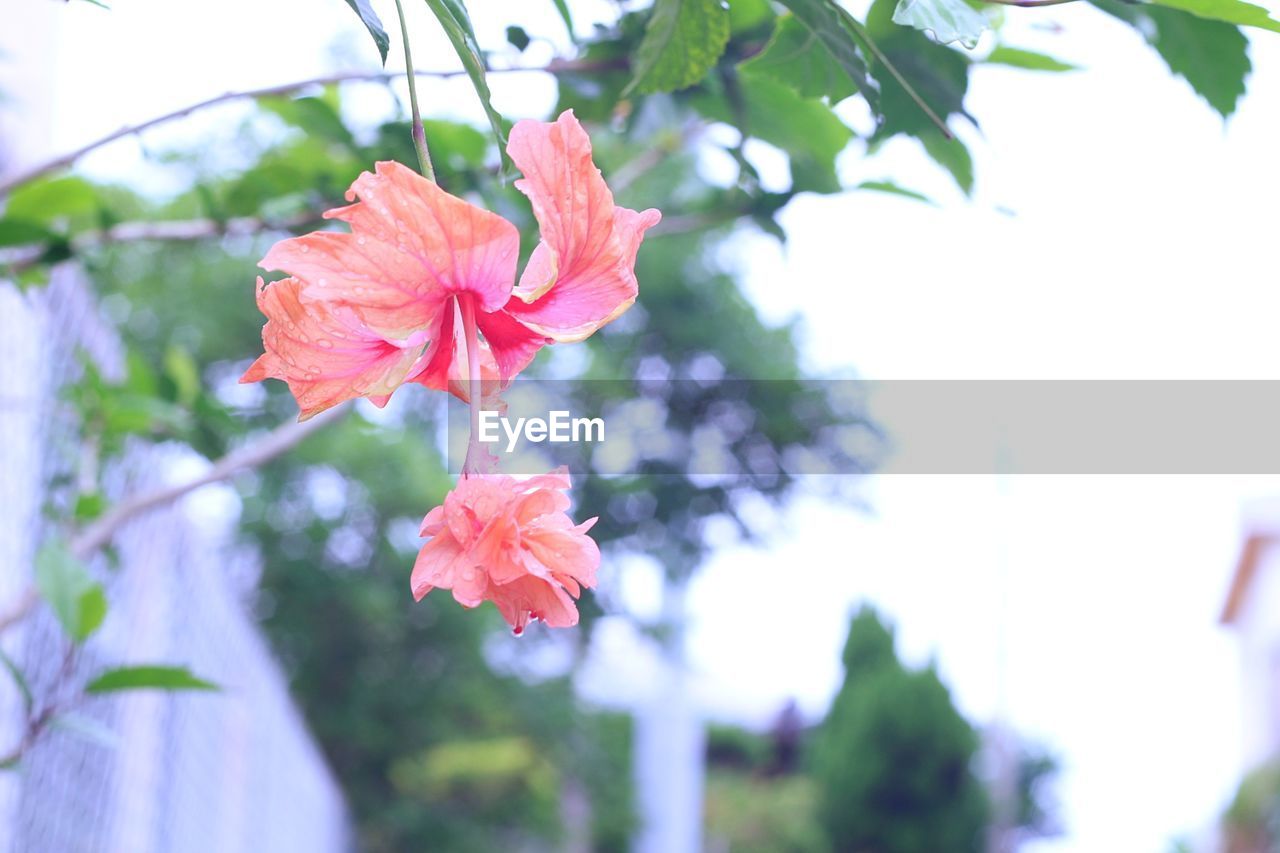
column 437, row 565
column 582, row 274
column 412, row 246
column 533, row 598
column 323, row 351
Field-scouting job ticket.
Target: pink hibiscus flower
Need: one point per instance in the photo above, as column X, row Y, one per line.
column 510, row 542
column 424, row 278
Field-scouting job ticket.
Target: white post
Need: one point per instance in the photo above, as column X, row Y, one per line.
column 669, row 749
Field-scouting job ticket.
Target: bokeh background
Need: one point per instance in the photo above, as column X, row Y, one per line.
column 892, row 663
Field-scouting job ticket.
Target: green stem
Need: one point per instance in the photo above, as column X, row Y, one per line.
column 419, row 134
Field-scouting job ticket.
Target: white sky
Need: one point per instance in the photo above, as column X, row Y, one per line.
column 1141, row 246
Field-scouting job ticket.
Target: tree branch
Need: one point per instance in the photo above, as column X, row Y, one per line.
column 8, row 184
column 176, row 230
column 100, row 532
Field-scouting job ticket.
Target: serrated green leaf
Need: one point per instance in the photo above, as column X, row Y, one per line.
column 827, row 21
column 893, row 189
column 147, row 678
column 453, row 18
column 682, row 42
column 1027, row 59
column 952, row 155
column 45, row 201
column 19, row 680
column 372, row 23
column 1212, row 56
column 946, row 21
column 1228, row 11
column 20, row 232
column 795, row 56
column 75, row 598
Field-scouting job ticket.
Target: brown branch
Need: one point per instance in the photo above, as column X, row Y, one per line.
column 176, row 230
column 100, row 532
column 26, row 601
column 279, row 440
column 8, row 184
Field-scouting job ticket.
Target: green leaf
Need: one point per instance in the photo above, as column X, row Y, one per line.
column 828, row 22
column 946, row 21
column 938, row 74
column 682, row 42
column 453, row 17
column 893, row 189
column 518, row 38
column 795, row 56
column 1228, row 11
column 76, row 599
column 49, row 200
column 181, row 369
column 565, row 15
column 746, row 16
column 371, row 23
column 20, row 680
column 1212, row 56
column 805, row 128
column 952, row 155
column 1027, row 60
column 20, row 232
column 147, row 678
column 89, row 506
column 316, row 116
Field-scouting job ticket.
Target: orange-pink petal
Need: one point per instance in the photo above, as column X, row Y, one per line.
column 412, row 246
column 582, row 274
column 323, row 351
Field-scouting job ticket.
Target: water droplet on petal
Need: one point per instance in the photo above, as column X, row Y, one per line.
column 305, row 248
column 325, row 344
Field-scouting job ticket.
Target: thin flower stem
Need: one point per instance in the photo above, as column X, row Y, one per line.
column 419, row 133
column 472, row 335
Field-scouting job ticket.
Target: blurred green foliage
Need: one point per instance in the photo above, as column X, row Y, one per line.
column 894, row 757
column 1251, row 823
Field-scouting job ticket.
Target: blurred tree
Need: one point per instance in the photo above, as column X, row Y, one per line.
column 893, row 758
column 1252, row 821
